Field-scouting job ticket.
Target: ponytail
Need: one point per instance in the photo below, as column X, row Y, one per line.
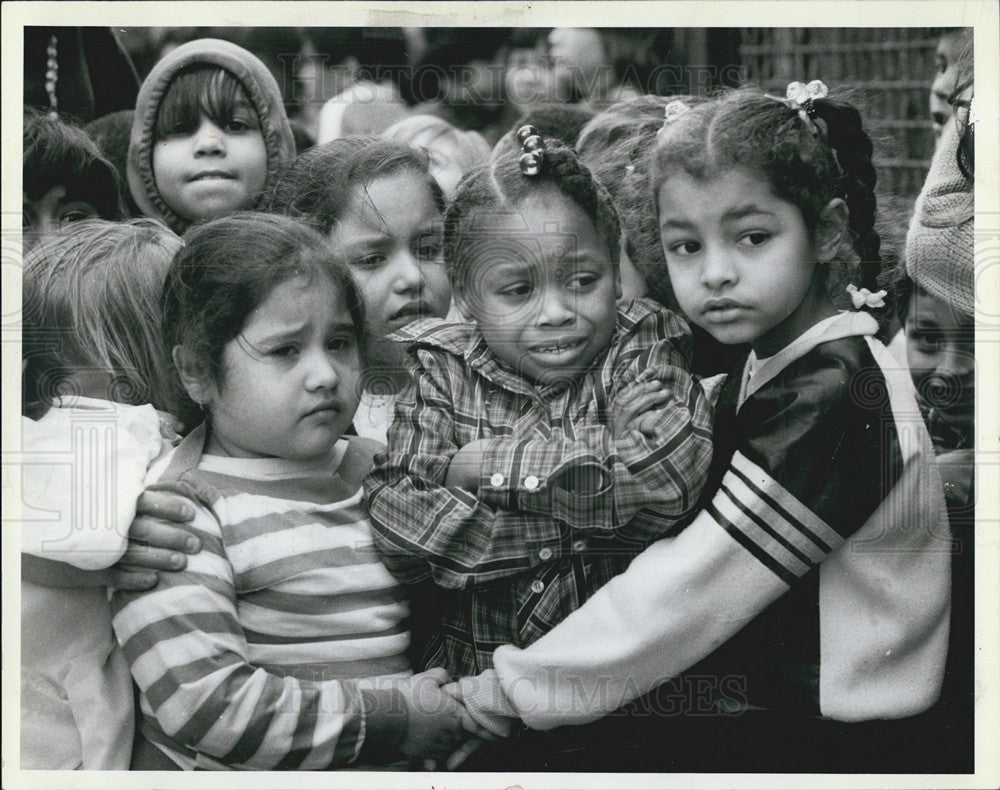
column 853, row 151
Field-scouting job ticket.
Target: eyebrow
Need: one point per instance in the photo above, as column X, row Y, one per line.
column 735, row 213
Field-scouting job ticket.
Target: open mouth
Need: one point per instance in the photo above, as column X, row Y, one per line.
column 212, row 175
column 560, row 347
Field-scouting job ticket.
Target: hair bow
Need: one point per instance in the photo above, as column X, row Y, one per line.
column 671, row 112
column 800, row 97
column 862, row 297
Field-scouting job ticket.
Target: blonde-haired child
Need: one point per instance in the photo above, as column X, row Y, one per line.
column 93, row 376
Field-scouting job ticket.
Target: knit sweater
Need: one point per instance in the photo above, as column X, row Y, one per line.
column 273, row 649
column 261, row 88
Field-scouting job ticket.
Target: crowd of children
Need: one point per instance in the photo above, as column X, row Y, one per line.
column 394, row 448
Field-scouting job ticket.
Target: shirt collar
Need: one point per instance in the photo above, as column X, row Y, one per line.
column 849, row 323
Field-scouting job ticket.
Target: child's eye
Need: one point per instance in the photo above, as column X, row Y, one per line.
column 754, row 238
column 283, row 351
column 340, row 343
column 76, row 211
column 583, row 280
column 683, row 248
column 238, row 125
column 429, row 251
column 372, row 261
column 520, row 289
column 927, row 340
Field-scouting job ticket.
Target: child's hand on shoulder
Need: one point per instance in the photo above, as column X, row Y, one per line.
column 463, row 471
column 434, row 724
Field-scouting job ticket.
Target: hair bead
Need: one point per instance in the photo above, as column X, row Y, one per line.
column 531, row 163
column 533, row 148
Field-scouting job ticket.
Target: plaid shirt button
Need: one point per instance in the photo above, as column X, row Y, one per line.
column 579, row 546
column 496, row 480
column 545, row 554
column 531, row 482
column 537, row 586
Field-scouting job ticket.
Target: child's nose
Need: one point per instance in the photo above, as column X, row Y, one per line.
column 409, row 273
column 717, row 269
column 321, row 373
column 209, row 139
column 955, row 361
column 553, row 309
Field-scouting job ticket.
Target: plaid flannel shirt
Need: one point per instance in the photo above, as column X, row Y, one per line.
column 535, row 540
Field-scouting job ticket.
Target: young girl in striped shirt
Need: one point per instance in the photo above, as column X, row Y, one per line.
column 283, row 643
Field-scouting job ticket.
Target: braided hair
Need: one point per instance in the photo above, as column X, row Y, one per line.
column 807, row 161
column 507, row 181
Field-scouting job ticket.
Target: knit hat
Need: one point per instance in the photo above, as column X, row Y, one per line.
column 261, row 88
column 939, row 244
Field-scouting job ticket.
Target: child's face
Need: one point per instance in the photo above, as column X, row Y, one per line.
column 212, row 171
column 741, row 261
column 289, row 386
column 945, row 58
column 578, row 56
column 940, row 352
column 51, row 212
column 391, row 239
column 542, row 289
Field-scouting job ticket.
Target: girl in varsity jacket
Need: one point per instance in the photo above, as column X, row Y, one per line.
column 816, row 577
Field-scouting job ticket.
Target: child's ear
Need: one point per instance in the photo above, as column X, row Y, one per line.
column 833, row 221
column 196, row 380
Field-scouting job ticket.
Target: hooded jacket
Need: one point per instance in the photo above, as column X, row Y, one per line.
column 260, row 87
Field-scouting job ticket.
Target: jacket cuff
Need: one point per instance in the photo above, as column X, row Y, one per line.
column 487, row 704
column 385, row 724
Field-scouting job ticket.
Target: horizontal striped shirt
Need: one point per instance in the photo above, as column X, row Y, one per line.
column 528, row 548
column 256, row 655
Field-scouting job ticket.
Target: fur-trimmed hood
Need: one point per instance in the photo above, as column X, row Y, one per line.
column 261, row 88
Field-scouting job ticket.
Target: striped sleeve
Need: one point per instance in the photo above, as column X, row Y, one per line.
column 189, row 657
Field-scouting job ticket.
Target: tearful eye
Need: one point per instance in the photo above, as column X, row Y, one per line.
column 282, row 351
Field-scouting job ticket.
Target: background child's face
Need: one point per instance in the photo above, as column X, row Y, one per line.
column 741, row 261
column 578, row 57
column 51, row 212
column 290, row 381
column 390, row 237
column 214, row 170
column 940, row 352
column 946, row 61
column 542, row 289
